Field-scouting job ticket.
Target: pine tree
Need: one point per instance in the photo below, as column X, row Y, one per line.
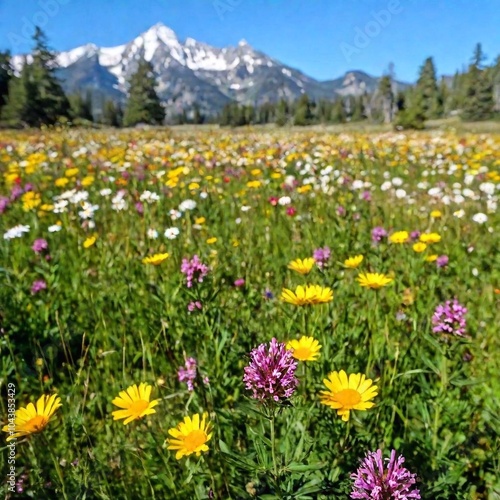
column 48, row 102
column 303, row 112
column 478, row 101
column 411, row 115
column 338, row 114
column 5, row 76
column 17, row 111
column 143, row 104
column 81, row 109
column 427, row 86
column 358, row 112
column 385, row 92
column 110, row 116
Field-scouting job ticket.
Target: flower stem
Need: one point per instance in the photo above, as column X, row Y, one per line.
column 273, row 454
column 57, row 466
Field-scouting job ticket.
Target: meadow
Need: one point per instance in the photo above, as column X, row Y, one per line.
column 141, row 270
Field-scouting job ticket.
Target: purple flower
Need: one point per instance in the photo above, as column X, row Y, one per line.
column 414, row 235
column 372, row 481
column 38, row 286
column 194, row 269
column 4, row 203
column 16, row 192
column 321, row 256
column 268, row 294
column 28, row 187
column 188, row 373
column 341, row 211
column 39, row 245
column 139, row 207
column 194, row 305
column 366, row 195
column 450, row 318
column 442, row 261
column 378, row 233
column 239, row 282
column 270, row 374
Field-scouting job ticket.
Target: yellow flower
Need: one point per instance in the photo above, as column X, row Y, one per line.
column 276, row 175
column 212, row 240
column 399, row 237
column 254, row 184
column 88, row 180
column 89, row 241
column 373, row 280
column 190, row 436
column 304, row 349
column 256, row 171
column 33, row 419
column 302, row 266
column 193, row 185
column 71, row 172
column 61, row 182
column 430, row 238
column 431, row 258
column 30, row 200
column 419, row 247
column 155, row 259
column 345, row 394
column 200, row 220
column 308, row 295
column 46, row 207
column 436, row 214
column 134, row 403
column 353, row 262
column 304, row 189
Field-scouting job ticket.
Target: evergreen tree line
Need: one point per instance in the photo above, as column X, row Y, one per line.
column 35, row 97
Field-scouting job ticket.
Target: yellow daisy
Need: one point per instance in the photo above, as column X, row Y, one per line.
column 190, row 436
column 33, row 419
column 399, row 237
column 135, row 403
column 430, row 238
column 308, row 295
column 353, row 262
column 345, row 394
column 302, row 266
column 155, row 259
column 89, row 241
column 304, row 349
column 431, row 258
column 373, row 280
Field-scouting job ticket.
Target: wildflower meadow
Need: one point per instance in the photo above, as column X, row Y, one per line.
column 249, row 314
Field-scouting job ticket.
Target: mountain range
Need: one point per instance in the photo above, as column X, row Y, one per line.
column 192, row 72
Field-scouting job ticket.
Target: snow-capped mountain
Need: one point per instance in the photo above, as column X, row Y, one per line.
column 192, row 72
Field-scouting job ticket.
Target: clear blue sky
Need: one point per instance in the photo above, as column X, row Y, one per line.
column 316, row 36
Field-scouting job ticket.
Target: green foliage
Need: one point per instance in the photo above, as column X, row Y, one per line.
column 428, row 88
column 143, row 105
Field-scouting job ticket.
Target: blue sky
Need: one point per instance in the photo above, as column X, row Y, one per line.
column 323, row 38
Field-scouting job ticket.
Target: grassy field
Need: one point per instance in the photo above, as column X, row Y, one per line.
column 100, row 291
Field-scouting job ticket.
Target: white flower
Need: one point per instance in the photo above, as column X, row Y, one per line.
column 152, row 234
column 492, row 206
column 88, row 210
column 400, row 193
column 459, row 213
column 238, row 220
column 245, row 208
column 475, row 272
column 171, row 233
column 187, row 205
column 105, row 192
column 119, row 205
column 16, row 232
column 79, row 197
column 357, row 184
column 284, row 200
column 60, row 207
column 175, row 214
column 397, row 181
column 434, row 191
column 480, row 218
column 203, row 195
column 149, row 197
column 386, row 185
column 54, row 228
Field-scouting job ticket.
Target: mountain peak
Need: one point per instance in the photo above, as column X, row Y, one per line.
column 161, row 32
column 243, row 43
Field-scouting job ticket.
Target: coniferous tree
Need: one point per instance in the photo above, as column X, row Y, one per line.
column 338, row 114
column 110, row 114
column 358, row 112
column 5, row 76
column 411, row 115
column 387, row 97
column 81, row 109
column 17, row 111
column 143, row 104
column 478, row 99
column 46, row 99
column 427, row 86
column 303, row 112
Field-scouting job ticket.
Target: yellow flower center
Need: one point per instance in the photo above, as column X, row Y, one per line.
column 138, row 406
column 348, row 398
column 302, row 353
column 36, row 424
column 194, row 439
